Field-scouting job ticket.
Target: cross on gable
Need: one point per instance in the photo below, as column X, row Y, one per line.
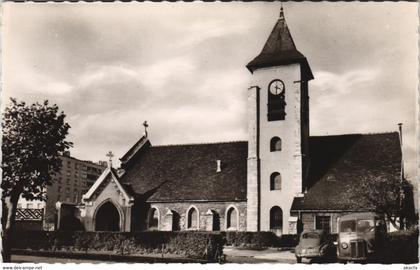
column 145, row 125
column 110, row 155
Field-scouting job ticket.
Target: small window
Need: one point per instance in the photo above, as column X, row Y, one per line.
column 275, row 144
column 232, row 219
column 323, row 223
column 330, row 178
column 192, row 219
column 275, row 181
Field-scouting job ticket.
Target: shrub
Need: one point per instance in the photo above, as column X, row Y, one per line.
column 200, row 245
column 402, row 246
column 258, row 240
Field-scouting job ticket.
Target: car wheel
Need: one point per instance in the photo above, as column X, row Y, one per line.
column 298, row 259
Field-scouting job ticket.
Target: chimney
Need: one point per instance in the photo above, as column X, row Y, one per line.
column 219, row 165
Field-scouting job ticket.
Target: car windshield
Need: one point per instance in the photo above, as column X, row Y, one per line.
column 348, row 226
column 365, row 225
column 310, row 236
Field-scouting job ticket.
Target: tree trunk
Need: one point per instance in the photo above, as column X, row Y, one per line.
column 11, row 205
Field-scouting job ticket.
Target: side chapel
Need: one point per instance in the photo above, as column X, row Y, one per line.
column 281, row 179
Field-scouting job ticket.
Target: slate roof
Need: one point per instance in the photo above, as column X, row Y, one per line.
column 188, row 172
column 280, row 49
column 339, row 162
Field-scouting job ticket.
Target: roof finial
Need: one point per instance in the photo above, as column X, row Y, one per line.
column 281, row 10
column 145, row 125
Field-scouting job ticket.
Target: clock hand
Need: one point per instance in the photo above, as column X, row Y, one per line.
column 277, row 88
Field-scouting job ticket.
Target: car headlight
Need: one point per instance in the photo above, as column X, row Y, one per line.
column 344, row 245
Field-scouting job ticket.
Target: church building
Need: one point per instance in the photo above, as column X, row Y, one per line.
column 281, row 179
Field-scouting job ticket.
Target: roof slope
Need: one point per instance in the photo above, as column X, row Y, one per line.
column 188, row 172
column 339, row 162
column 280, row 49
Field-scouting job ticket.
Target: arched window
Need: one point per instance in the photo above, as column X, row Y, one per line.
column 192, row 222
column 275, row 144
column 276, row 218
column 154, row 218
column 232, row 219
column 275, row 181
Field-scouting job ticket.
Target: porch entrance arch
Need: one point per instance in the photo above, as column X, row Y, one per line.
column 107, row 218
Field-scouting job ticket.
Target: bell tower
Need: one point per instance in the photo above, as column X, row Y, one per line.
column 278, row 126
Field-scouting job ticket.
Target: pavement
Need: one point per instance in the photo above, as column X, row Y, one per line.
column 42, row 259
column 233, row 255
column 269, row 255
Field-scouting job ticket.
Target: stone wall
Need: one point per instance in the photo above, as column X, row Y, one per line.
column 308, row 220
column 209, row 214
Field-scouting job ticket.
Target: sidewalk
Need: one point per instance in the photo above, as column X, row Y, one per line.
column 105, row 256
column 274, row 255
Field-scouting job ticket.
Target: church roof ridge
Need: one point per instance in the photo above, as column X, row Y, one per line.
column 202, row 143
column 355, row 134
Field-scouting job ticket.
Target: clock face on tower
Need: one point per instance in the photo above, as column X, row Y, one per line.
column 276, row 87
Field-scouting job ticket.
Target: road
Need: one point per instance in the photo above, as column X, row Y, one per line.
column 233, row 255
column 40, row 259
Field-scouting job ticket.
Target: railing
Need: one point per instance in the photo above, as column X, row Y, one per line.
column 29, row 214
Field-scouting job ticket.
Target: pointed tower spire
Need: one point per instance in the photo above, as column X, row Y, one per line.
column 280, row 49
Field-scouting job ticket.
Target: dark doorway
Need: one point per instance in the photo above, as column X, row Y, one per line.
column 107, row 218
column 216, row 221
column 176, row 221
column 276, row 220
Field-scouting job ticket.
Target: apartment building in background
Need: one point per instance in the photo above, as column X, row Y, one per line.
column 74, row 179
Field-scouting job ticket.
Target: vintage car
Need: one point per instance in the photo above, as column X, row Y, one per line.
column 361, row 236
column 314, row 244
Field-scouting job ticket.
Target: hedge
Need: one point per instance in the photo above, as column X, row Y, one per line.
column 258, row 240
column 200, row 245
column 402, row 246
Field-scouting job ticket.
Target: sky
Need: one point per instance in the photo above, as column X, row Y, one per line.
column 181, row 67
